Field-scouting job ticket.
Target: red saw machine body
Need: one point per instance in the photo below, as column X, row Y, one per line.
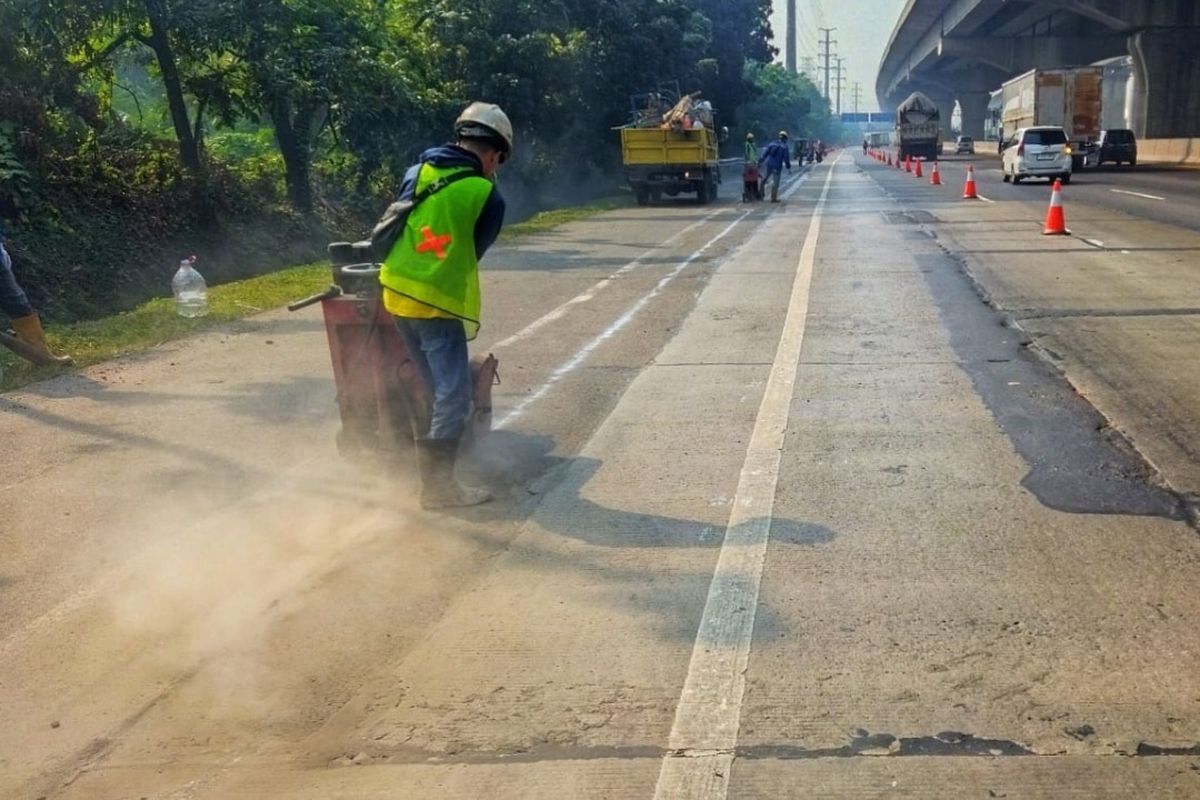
column 382, row 400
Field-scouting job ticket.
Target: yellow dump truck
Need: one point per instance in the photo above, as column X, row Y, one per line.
column 671, row 161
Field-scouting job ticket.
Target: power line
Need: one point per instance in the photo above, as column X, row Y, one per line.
column 791, row 36
column 827, row 42
column 841, row 77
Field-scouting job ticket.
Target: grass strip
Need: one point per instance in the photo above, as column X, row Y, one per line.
column 155, row 322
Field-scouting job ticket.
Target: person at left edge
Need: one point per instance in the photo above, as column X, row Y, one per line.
column 431, row 284
column 25, row 321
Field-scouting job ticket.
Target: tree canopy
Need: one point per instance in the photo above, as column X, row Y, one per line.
column 352, row 90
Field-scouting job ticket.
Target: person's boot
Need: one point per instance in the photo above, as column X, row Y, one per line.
column 29, row 330
column 439, row 488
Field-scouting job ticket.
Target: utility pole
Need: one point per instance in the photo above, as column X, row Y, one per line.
column 791, row 36
column 857, row 94
column 810, row 66
column 827, row 43
column 841, row 76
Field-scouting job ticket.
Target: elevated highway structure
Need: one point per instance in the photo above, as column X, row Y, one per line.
column 964, row 49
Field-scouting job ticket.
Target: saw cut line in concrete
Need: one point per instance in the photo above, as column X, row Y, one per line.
column 596, row 288
column 613, row 329
column 705, row 732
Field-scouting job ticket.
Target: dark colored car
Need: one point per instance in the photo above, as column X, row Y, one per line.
column 1118, row 145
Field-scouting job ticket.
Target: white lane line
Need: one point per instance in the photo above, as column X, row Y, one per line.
column 984, row 199
column 1138, row 194
column 611, row 330
column 704, row 735
column 558, row 313
column 561, row 311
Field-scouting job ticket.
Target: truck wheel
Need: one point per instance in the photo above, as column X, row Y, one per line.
column 1066, row 178
column 702, row 192
column 642, row 194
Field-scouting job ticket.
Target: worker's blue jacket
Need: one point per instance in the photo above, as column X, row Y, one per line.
column 776, row 156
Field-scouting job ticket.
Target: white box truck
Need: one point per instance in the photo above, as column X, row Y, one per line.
column 1067, row 97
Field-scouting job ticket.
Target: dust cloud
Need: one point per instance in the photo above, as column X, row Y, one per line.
column 207, row 599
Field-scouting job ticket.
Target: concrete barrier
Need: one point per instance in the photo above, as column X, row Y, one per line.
column 1169, row 151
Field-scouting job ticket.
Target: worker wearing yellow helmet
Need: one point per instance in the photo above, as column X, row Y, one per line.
column 431, row 282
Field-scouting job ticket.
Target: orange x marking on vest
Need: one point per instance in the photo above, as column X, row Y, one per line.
column 434, row 243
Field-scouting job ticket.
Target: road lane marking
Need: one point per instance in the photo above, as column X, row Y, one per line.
column 596, row 288
column 561, row 310
column 1138, row 194
column 984, row 199
column 705, row 732
column 613, row 329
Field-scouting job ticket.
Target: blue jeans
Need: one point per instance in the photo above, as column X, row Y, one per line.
column 13, row 301
column 439, row 349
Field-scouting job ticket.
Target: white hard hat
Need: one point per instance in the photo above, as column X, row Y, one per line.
column 485, row 121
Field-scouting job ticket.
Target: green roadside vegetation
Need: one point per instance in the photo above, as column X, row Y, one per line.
column 155, row 322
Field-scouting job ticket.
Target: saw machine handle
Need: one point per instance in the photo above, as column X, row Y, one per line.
column 328, row 294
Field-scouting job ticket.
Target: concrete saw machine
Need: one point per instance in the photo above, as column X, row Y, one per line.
column 383, row 401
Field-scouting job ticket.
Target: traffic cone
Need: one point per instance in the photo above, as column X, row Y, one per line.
column 908, row 163
column 969, row 190
column 935, row 178
column 889, row 159
column 917, row 171
column 1056, row 220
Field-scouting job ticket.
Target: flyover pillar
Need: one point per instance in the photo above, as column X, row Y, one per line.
column 1168, row 72
column 974, row 113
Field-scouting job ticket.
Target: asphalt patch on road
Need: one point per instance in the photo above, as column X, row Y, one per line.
column 1077, row 463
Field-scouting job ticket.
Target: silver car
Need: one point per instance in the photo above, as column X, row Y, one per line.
column 1041, row 152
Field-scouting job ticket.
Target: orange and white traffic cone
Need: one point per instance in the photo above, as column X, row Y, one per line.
column 969, row 192
column 1056, row 219
column 908, row 163
column 935, row 177
column 917, row 171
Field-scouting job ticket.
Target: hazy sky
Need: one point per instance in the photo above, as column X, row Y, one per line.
column 863, row 29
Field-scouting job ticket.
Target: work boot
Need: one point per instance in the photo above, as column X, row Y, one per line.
column 29, row 330
column 439, row 488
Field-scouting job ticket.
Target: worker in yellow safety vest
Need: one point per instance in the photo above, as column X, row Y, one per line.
column 431, row 283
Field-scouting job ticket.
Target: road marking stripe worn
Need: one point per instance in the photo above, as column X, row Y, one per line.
column 589, row 294
column 612, row 329
column 596, row 288
column 705, row 732
column 1138, row 194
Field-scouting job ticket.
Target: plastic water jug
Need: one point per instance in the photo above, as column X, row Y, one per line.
column 191, row 292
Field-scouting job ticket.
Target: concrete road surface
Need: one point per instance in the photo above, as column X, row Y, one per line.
column 785, row 509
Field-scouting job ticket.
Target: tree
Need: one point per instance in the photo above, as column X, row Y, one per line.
column 784, row 101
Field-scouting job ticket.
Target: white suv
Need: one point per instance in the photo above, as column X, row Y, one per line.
column 1041, row 152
